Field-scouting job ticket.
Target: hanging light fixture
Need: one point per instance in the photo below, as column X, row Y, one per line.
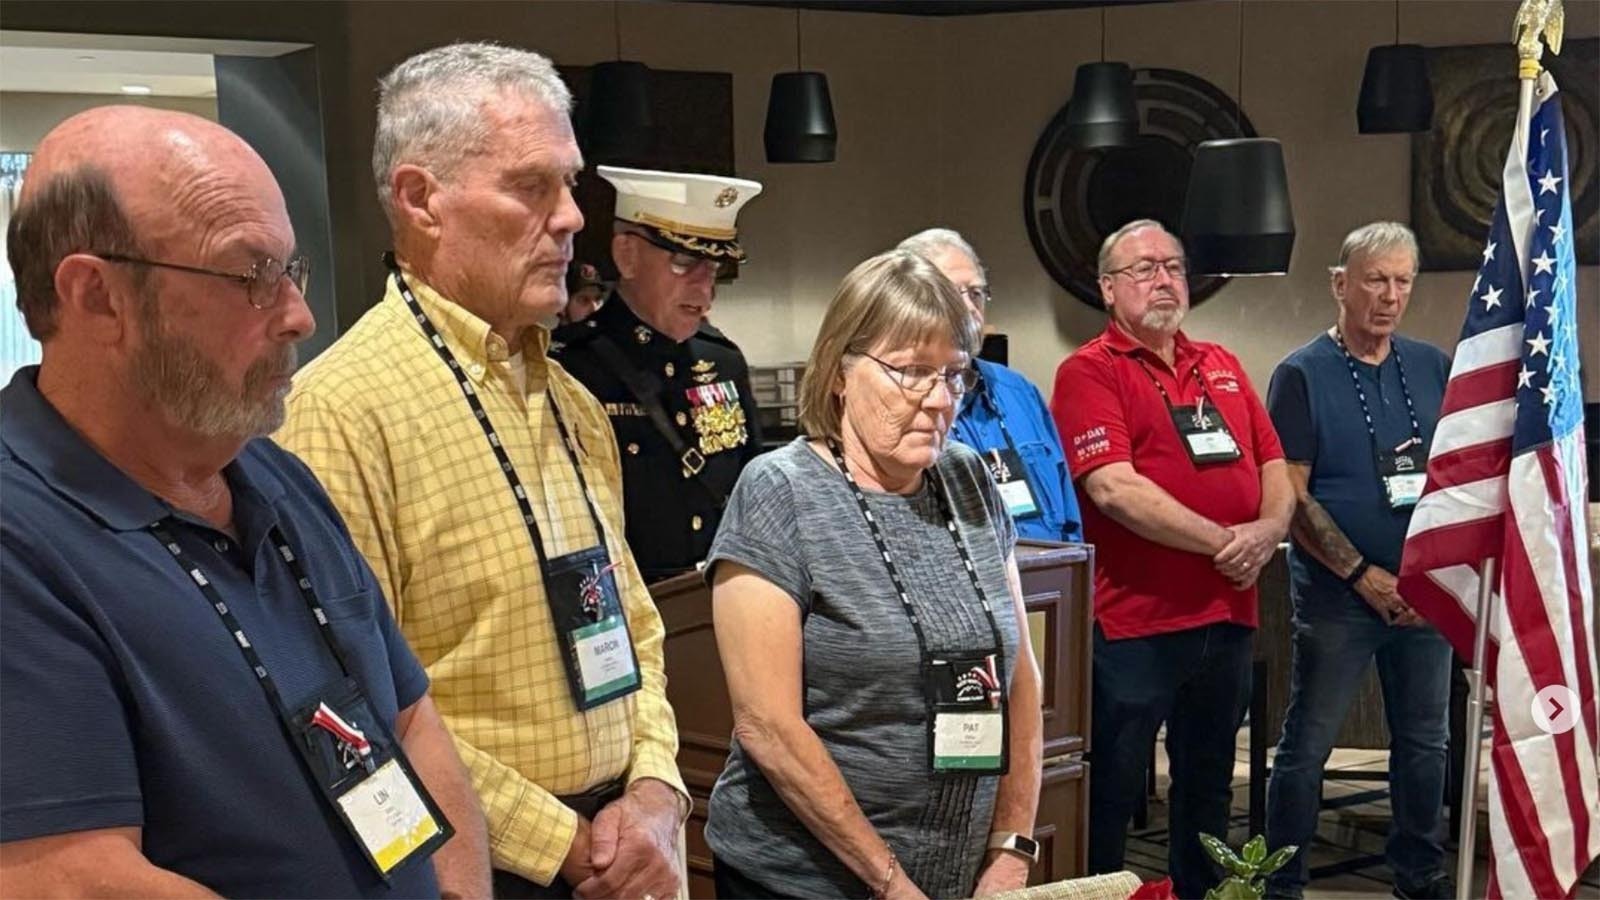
column 800, row 127
column 1103, row 112
column 1396, row 93
column 1237, row 219
column 621, row 121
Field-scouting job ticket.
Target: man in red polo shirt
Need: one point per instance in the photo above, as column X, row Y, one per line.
column 1189, row 496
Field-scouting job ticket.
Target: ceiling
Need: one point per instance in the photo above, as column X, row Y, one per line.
column 933, row 7
column 53, row 63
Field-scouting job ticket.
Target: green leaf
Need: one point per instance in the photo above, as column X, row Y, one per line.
column 1277, row 860
column 1237, row 889
column 1255, row 851
column 1223, row 855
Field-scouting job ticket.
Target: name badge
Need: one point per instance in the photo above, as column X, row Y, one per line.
column 360, row 766
column 967, row 726
column 605, row 658
column 1205, row 434
column 601, row 663
column 388, row 815
column 1404, row 473
column 1012, row 480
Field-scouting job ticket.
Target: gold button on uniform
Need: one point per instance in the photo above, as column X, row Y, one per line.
column 696, row 523
column 671, row 369
column 633, row 449
column 683, row 419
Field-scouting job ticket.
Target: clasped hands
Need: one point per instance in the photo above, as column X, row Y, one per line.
column 630, row 849
column 1250, row 545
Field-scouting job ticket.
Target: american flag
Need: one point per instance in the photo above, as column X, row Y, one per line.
column 1506, row 480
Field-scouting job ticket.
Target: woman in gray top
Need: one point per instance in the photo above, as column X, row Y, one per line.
column 868, row 611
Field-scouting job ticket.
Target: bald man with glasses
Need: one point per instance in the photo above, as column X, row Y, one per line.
column 676, row 390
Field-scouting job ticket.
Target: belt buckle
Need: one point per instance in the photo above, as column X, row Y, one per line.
column 692, row 461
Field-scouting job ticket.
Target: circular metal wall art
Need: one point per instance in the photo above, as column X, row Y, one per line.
column 1073, row 198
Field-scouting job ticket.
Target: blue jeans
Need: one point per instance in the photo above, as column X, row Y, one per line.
column 1198, row 682
column 1335, row 634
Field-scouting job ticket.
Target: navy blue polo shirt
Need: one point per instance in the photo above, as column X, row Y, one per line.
column 1315, row 410
column 124, row 698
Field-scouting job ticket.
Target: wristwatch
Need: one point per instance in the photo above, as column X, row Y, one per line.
column 1019, row 844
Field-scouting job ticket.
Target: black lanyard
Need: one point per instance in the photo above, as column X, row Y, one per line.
column 246, row 646
column 489, row 433
column 994, row 408
column 937, row 483
column 1361, row 394
column 1205, row 395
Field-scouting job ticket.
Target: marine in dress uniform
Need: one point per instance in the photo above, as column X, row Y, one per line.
column 676, row 389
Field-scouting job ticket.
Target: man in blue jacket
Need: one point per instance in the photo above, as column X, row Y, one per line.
column 1005, row 418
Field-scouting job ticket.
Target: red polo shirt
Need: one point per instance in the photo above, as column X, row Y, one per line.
column 1108, row 410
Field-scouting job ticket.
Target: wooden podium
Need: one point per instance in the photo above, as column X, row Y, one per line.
column 1057, row 584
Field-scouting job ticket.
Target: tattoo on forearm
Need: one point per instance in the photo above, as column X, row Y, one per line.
column 1320, row 536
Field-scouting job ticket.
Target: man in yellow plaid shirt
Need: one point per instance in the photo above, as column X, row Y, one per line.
column 482, row 482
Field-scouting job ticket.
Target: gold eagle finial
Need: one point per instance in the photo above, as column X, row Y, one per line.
column 1536, row 19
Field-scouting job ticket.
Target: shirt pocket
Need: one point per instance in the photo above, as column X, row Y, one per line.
column 1045, row 474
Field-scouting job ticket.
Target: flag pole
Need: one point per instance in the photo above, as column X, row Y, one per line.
column 1466, row 846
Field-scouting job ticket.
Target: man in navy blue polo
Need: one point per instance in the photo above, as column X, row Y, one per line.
column 1355, row 409
column 202, row 688
column 1005, row 418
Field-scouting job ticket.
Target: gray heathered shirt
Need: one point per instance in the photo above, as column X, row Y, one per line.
column 793, row 520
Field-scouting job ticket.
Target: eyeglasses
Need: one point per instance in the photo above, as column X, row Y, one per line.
column 1145, row 269
column 684, row 264
column 260, row 282
column 977, row 294
column 920, row 379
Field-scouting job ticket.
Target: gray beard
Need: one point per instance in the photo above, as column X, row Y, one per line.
column 1162, row 321
column 172, row 375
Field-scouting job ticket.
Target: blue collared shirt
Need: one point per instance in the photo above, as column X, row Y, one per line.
column 125, row 699
column 1005, row 402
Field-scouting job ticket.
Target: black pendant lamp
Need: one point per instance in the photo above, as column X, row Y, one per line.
column 621, row 119
column 1103, row 112
column 800, row 127
column 1237, row 219
column 1396, row 92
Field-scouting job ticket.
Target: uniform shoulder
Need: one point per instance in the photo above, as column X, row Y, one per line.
column 576, row 334
column 709, row 332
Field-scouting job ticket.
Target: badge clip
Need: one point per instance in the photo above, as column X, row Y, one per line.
column 353, row 744
column 589, row 592
column 1408, row 442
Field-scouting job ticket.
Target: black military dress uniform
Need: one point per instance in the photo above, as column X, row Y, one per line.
column 673, row 498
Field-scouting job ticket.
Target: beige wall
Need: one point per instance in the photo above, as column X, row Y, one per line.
column 25, row 117
column 937, row 117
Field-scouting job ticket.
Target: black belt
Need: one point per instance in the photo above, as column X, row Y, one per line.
column 589, row 803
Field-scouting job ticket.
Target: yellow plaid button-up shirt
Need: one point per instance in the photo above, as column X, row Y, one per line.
column 381, row 421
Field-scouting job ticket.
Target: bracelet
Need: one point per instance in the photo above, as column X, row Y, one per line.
column 1355, row 575
column 882, row 890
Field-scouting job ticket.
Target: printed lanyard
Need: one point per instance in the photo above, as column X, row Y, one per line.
column 482, row 415
column 894, row 573
column 1361, row 394
column 246, row 647
column 1200, row 408
column 994, row 409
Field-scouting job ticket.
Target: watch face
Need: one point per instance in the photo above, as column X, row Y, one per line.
column 1027, row 845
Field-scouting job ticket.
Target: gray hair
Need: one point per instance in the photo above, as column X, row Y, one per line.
column 430, row 106
column 1376, row 237
column 74, row 212
column 1103, row 263
column 930, row 242
column 897, row 298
